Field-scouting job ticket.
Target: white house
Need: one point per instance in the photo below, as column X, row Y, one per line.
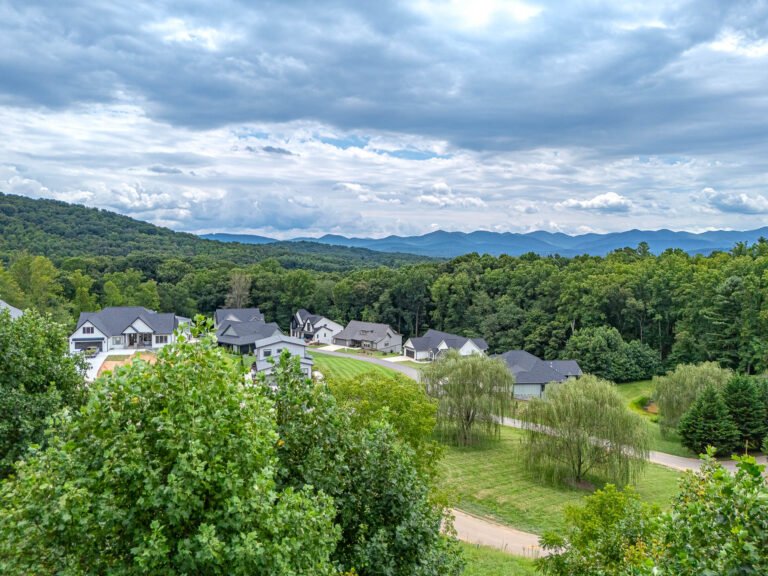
column 313, row 328
column 369, row 336
column 124, row 328
column 434, row 343
column 268, row 350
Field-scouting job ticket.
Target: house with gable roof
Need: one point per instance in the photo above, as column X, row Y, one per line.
column 434, row 343
column 224, row 315
column 369, row 336
column 124, row 328
column 532, row 374
column 313, row 328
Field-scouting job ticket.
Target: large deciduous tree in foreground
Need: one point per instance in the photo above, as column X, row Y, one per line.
column 582, row 427
column 168, row 469
column 473, row 393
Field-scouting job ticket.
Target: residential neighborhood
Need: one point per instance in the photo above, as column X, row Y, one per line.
column 429, row 347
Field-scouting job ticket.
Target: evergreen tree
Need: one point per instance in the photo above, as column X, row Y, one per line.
column 746, row 409
column 708, row 423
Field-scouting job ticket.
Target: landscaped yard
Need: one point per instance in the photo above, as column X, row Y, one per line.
column 494, row 481
column 484, row 561
column 114, row 360
column 338, row 367
column 634, row 393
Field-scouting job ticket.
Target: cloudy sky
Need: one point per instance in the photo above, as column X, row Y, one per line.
column 290, row 118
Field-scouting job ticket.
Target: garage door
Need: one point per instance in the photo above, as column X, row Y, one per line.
column 85, row 344
column 410, row 353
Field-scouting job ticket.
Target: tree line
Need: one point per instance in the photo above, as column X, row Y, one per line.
column 649, row 312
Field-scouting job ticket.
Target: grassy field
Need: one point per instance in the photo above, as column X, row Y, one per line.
column 483, row 561
column 633, row 393
column 336, row 367
column 494, row 481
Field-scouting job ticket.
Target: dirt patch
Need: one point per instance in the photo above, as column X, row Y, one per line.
column 582, row 485
column 651, row 408
column 113, row 362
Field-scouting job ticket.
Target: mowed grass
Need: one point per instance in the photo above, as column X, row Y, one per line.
column 633, row 392
column 337, row 367
column 494, row 481
column 484, row 561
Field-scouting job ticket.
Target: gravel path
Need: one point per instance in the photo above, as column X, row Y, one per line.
column 476, row 530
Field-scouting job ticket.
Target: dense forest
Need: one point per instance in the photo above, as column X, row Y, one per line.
column 678, row 307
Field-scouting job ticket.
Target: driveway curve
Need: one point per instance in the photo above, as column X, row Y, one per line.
column 477, row 530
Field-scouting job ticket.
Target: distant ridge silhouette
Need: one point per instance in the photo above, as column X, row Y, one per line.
column 450, row 244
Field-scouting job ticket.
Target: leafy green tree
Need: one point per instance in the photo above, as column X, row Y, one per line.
column 613, row 533
column 603, row 352
column 389, row 522
column 746, row 408
column 82, row 298
column 473, row 393
column 168, row 469
column 718, row 522
column 708, row 423
column 38, row 377
column 399, row 400
column 10, row 291
column 678, row 390
column 583, row 427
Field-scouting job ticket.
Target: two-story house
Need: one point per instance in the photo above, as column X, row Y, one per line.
column 313, row 328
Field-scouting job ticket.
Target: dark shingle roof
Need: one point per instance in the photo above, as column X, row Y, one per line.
column 305, row 315
column 223, row 315
column 530, row 369
column 113, row 321
column 240, row 333
column 431, row 340
column 364, row 331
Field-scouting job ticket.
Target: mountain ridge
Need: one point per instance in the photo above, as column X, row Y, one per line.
column 442, row 244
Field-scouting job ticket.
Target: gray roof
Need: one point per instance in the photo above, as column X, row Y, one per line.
column 12, row 310
column 305, row 315
column 530, row 369
column 431, row 340
column 114, row 320
column 241, row 333
column 223, row 315
column 364, row 331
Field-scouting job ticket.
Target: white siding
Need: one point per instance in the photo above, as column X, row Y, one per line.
column 80, row 335
column 526, row 391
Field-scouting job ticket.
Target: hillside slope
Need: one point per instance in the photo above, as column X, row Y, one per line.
column 60, row 230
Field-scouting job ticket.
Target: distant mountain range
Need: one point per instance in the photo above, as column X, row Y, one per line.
column 450, row 244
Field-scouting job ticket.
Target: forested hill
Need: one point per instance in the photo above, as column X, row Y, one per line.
column 60, row 230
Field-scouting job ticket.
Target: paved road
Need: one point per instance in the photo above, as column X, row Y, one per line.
column 407, row 370
column 680, row 463
column 476, row 530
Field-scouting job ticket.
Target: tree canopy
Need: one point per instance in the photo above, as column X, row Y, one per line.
column 583, row 428
column 473, row 392
column 38, row 378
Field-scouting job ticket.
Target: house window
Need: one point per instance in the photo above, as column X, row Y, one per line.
column 267, row 353
column 117, row 340
column 162, row 339
column 87, row 329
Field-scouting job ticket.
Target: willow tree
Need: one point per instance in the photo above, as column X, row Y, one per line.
column 678, row 390
column 582, row 428
column 473, row 394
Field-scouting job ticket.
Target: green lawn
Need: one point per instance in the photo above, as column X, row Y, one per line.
column 484, row 561
column 336, row 367
column 494, row 481
column 633, row 393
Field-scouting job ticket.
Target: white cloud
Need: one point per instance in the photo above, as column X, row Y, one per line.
column 608, row 202
column 737, row 203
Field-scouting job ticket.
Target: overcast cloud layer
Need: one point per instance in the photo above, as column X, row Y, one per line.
column 372, row 118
